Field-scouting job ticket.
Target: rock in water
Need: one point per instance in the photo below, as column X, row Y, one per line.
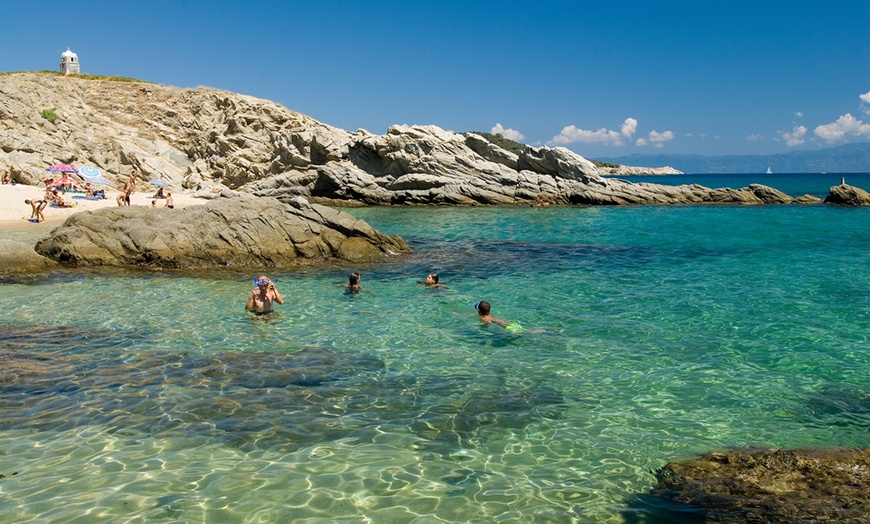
column 236, row 230
column 765, row 485
column 847, row 195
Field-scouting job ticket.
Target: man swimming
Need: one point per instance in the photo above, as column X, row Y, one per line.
column 483, row 308
column 352, row 285
column 261, row 298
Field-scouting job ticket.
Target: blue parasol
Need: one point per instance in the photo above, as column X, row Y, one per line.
column 157, row 182
column 92, row 175
column 89, row 172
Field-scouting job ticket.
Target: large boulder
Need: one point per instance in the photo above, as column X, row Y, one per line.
column 769, row 485
column 232, row 230
column 18, row 258
column 847, row 195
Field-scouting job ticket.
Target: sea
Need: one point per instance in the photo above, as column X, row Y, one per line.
column 645, row 335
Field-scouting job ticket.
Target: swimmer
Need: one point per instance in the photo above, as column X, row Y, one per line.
column 261, row 298
column 353, row 283
column 432, row 281
column 483, row 308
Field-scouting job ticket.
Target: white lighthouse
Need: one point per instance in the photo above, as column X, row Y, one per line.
column 69, row 63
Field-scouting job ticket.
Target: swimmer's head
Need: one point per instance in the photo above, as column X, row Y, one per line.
column 432, row 278
column 482, row 308
column 263, row 281
column 354, row 278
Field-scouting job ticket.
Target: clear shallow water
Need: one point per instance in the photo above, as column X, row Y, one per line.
column 652, row 334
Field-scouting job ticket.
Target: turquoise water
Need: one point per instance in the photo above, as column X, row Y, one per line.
column 653, row 334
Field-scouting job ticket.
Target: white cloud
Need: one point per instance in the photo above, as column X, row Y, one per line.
column 510, row 134
column 571, row 134
column 655, row 138
column 845, row 125
column 799, row 114
column 796, row 137
column 629, row 127
column 865, row 102
column 754, row 137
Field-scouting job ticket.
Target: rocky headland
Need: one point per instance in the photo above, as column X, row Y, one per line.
column 203, row 137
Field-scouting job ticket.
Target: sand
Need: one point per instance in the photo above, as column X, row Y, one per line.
column 15, row 213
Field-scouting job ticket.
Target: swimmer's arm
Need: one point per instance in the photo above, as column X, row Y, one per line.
column 500, row 322
column 278, row 298
column 249, row 306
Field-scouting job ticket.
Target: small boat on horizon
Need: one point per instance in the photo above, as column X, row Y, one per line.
column 769, row 172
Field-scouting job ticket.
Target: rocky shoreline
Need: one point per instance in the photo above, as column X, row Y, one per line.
column 207, row 138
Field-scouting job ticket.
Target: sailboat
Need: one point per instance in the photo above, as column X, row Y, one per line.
column 769, row 172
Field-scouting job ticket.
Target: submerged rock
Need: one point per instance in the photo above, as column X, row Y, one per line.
column 768, row 485
column 233, row 230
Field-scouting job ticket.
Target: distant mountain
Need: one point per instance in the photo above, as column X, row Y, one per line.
column 849, row 158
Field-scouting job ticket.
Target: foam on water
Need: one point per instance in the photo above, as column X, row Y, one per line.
column 653, row 334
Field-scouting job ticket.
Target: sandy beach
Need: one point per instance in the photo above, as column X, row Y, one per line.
column 15, row 213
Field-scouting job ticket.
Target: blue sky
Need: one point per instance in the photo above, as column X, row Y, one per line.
column 605, row 78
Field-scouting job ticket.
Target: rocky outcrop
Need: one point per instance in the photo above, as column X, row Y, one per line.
column 617, row 170
column 847, row 195
column 764, row 485
column 18, row 258
column 235, row 230
column 204, row 138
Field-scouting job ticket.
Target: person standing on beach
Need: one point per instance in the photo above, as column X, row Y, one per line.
column 261, row 298
column 127, row 191
column 37, row 206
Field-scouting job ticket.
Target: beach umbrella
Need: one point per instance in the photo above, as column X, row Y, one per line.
column 92, row 175
column 157, row 182
column 62, row 168
column 89, row 172
column 64, row 180
column 99, row 179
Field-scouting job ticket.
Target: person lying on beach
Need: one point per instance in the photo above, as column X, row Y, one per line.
column 353, row 283
column 37, row 206
column 483, row 308
column 261, row 298
column 432, row 281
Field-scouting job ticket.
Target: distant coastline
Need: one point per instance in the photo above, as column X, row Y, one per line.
column 848, row 158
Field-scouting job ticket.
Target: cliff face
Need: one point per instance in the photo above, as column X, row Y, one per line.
column 193, row 137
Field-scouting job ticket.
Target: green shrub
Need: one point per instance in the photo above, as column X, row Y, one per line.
column 502, row 142
column 49, row 114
